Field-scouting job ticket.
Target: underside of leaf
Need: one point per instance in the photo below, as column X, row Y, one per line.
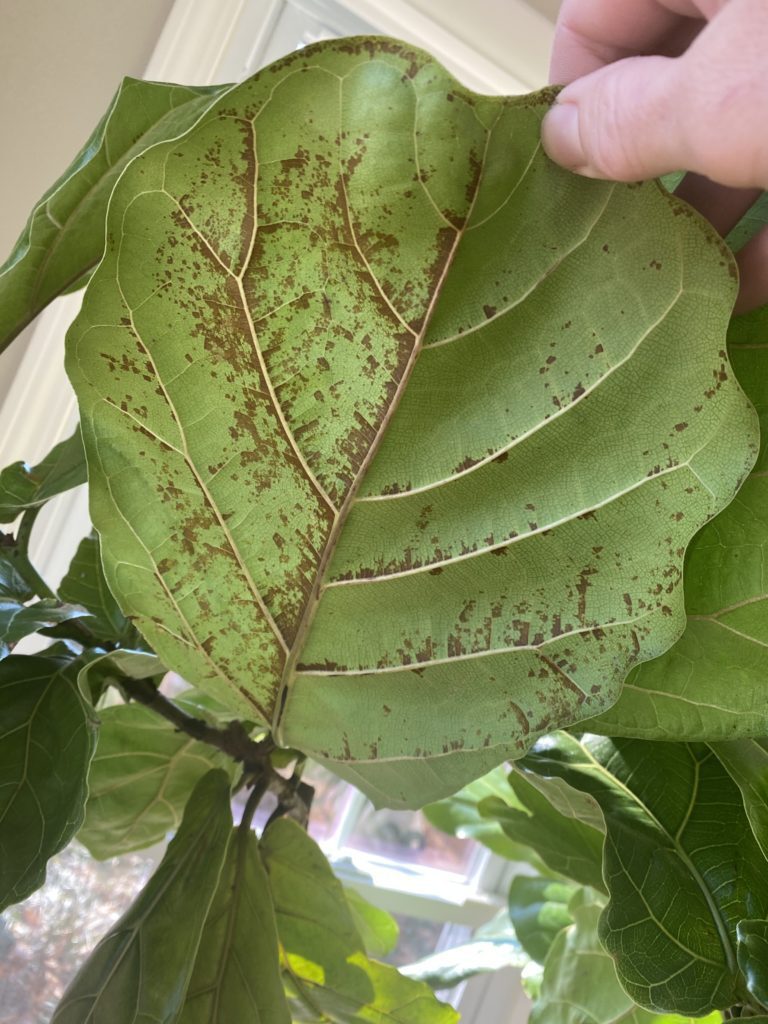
column 397, row 432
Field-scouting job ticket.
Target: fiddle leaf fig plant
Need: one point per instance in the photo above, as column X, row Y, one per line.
column 396, row 437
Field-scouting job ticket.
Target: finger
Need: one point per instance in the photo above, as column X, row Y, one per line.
column 593, row 33
column 753, row 271
column 722, row 206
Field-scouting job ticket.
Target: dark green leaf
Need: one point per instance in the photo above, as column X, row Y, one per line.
column 141, row 776
column 12, row 584
column 538, row 908
column 64, row 236
column 138, row 973
column 324, row 958
column 24, row 487
column 752, row 952
column 565, row 844
column 84, row 584
column 459, row 815
column 711, row 684
column 681, row 864
column 378, row 929
column 236, row 978
column 107, row 669
column 580, row 985
column 19, row 620
column 47, row 738
column 283, row 298
column 746, row 761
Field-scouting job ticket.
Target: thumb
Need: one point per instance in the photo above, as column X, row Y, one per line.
column 622, row 122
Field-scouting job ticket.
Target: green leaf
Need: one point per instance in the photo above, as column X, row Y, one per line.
column 565, row 844
column 19, row 620
column 683, row 695
column 580, row 985
column 139, row 972
column 141, row 776
column 452, row 966
column 300, row 368
column 12, row 584
column 47, row 738
column 64, row 236
column 24, row 487
column 746, row 761
column 323, row 954
column 681, row 864
column 110, row 668
column 459, row 815
column 236, row 978
column 752, row 952
column 754, row 220
column 538, row 908
column 84, row 584
column 378, row 929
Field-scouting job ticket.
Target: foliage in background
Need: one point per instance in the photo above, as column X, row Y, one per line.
column 396, row 438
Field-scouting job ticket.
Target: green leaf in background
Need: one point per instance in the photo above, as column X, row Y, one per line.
column 12, row 584
column 565, row 844
column 452, row 966
column 47, row 738
column 752, row 951
column 712, row 684
column 283, row 298
column 459, row 815
column 754, row 220
column 323, row 954
column 681, row 864
column 746, row 761
column 24, row 487
column 19, row 620
column 107, row 669
column 538, row 909
column 84, row 584
column 64, row 236
column 580, row 985
column 236, row 978
column 140, row 778
column 138, row 973
column 378, row 929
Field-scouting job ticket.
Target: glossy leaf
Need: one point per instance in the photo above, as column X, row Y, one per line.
column 746, row 761
column 538, row 908
column 752, row 952
column 323, row 956
column 19, row 620
column 711, row 684
column 24, row 487
column 139, row 972
column 565, row 844
column 681, row 864
column 141, row 776
column 236, row 977
column 84, row 584
column 459, row 815
column 12, row 584
column 580, row 985
column 47, row 738
column 111, row 667
column 378, row 929
column 283, row 298
column 64, row 236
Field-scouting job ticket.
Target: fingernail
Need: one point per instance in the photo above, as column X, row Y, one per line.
column 561, row 138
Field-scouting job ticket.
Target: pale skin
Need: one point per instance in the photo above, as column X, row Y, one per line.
column 654, row 86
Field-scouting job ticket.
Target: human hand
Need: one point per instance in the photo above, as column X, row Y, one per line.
column 664, row 85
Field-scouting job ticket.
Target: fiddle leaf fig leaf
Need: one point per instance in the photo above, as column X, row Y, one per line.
column 47, row 738
column 324, row 961
column 85, row 584
column 110, row 668
column 752, row 952
column 141, row 775
column 64, row 236
column 565, row 844
column 681, row 865
column 139, row 972
column 683, row 695
column 12, row 583
column 746, row 761
column 348, row 386
column 378, row 929
column 236, row 977
column 24, row 487
column 580, row 985
column 18, row 620
column 538, row 908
